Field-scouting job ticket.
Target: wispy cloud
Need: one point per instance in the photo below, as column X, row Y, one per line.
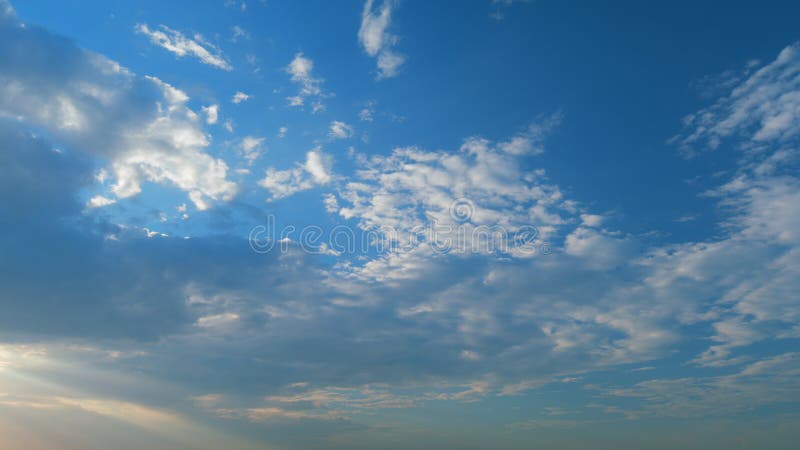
column 239, row 97
column 238, row 32
column 340, row 130
column 760, row 107
column 252, row 147
column 176, row 42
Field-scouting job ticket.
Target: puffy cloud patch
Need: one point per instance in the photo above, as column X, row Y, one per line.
column 239, row 97
column 98, row 201
column 340, row 130
column 252, row 148
column 315, row 171
column 376, row 39
column 212, row 113
column 469, row 197
column 300, row 71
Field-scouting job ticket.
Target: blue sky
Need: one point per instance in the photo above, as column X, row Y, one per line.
column 395, row 224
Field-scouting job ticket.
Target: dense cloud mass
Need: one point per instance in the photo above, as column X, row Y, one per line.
column 204, row 330
column 141, row 125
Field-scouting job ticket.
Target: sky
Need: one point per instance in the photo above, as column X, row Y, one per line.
column 488, row 224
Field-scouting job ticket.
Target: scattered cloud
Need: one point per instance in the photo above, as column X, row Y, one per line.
column 252, row 148
column 494, row 323
column 340, row 130
column 98, row 201
column 592, row 220
column 239, row 97
column 212, row 113
column 316, row 171
column 367, row 113
column 376, row 40
column 238, row 32
column 531, row 140
column 414, row 189
column 252, row 60
column 760, row 109
column 241, row 6
column 301, row 72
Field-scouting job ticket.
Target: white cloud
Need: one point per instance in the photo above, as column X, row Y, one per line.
column 101, row 176
column 282, row 131
column 177, row 43
column 180, row 161
column 739, row 285
column 755, row 267
column 153, row 233
column 242, row 6
column 300, row 69
column 376, row 39
column 218, row 321
column 330, row 202
column 367, row 113
column 531, row 141
column 599, row 249
column 238, row 32
column 318, row 165
column 212, row 113
column 249, row 143
column 6, row 10
column 413, row 188
column 141, row 125
column 340, row 130
column 283, row 183
column 592, row 220
column 98, row 201
column 317, row 106
column 252, row 148
column 764, row 107
column 316, row 171
column 301, row 72
column 492, row 324
column 389, row 63
column 239, row 97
